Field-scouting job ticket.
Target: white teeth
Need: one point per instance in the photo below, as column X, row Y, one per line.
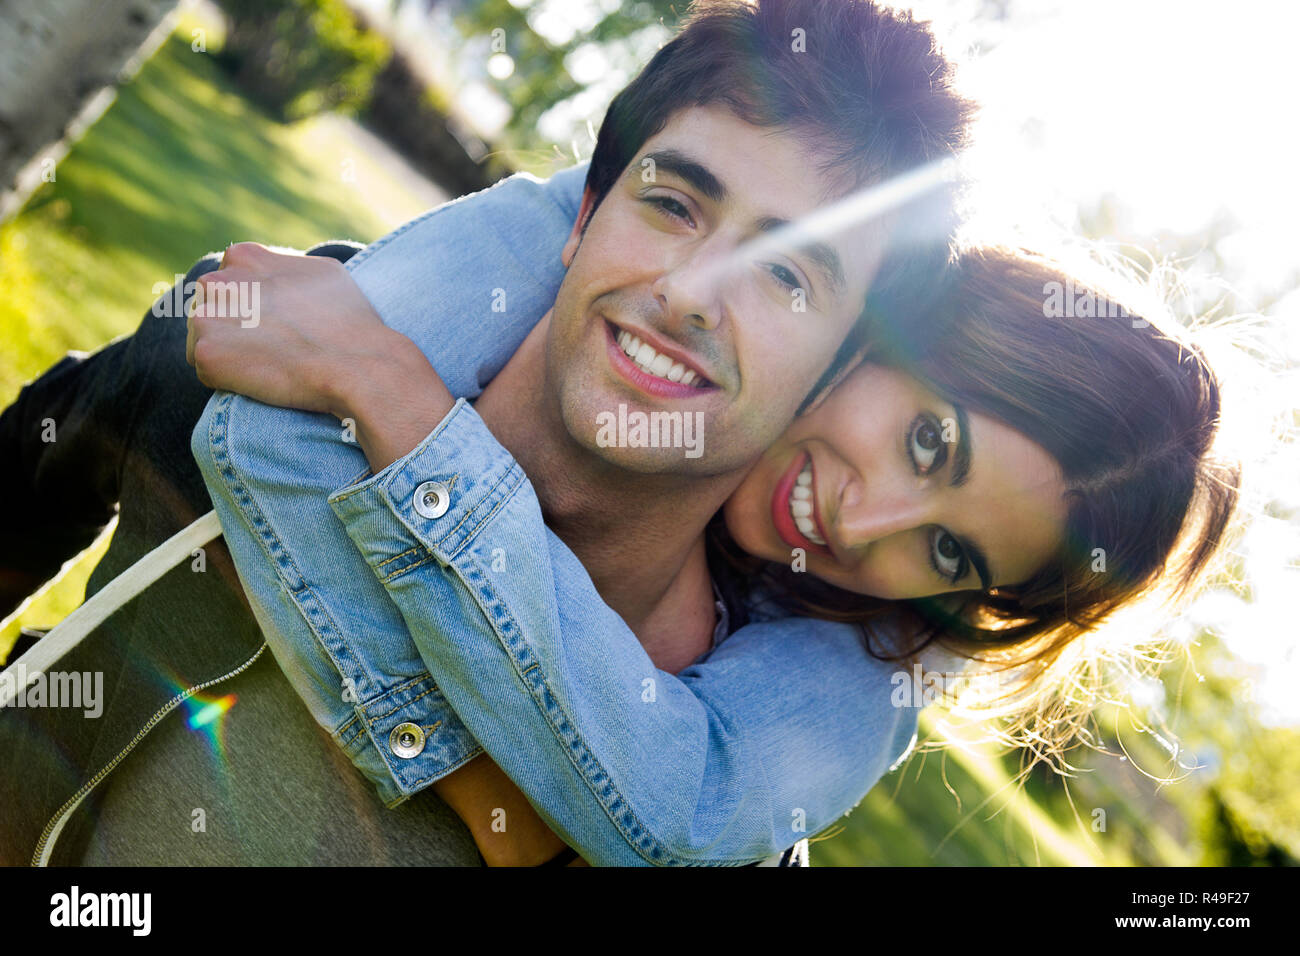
column 801, row 505
column 655, row 363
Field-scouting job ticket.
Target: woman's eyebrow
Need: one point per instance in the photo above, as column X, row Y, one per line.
column 961, row 458
column 961, row 467
column 978, row 560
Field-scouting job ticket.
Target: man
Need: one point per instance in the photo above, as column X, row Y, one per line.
column 733, row 151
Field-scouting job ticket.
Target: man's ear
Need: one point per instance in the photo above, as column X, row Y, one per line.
column 845, row 371
column 579, row 227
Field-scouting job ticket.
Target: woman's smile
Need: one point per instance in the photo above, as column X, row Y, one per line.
column 795, row 511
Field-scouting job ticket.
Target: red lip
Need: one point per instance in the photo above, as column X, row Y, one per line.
column 651, row 384
column 785, row 527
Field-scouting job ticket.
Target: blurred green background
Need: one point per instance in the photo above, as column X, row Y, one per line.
column 289, row 123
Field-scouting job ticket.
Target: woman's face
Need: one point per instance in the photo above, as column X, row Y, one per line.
column 893, row 492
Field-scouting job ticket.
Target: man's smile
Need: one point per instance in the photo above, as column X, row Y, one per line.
column 658, row 369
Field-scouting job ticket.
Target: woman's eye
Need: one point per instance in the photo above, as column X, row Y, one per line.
column 929, row 451
column 947, row 556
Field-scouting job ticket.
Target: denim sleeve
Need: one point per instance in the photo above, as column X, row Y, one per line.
column 465, row 282
column 781, row 730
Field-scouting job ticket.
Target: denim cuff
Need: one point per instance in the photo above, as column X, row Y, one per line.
column 430, row 503
column 407, row 738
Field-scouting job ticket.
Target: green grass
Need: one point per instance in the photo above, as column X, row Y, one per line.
column 179, row 165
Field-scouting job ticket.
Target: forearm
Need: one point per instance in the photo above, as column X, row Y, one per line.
column 505, row 827
column 391, row 394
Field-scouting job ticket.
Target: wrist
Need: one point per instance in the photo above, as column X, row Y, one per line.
column 393, row 396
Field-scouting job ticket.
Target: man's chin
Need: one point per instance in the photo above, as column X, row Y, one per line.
column 644, row 460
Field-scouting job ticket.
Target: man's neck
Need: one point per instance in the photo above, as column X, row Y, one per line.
column 640, row 536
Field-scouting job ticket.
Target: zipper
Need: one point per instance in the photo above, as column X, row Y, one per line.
column 45, row 847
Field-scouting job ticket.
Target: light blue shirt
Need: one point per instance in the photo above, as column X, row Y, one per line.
column 423, row 629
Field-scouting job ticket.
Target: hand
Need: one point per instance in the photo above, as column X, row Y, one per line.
column 285, row 329
column 296, row 331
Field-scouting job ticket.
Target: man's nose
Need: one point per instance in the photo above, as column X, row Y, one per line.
column 690, row 293
column 868, row 515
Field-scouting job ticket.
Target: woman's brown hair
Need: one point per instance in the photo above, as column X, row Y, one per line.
column 1130, row 413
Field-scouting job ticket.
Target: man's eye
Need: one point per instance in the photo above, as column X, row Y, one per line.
column 785, row 276
column 669, row 207
column 925, row 441
column 947, row 556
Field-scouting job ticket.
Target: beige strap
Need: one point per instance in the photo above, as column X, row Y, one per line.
column 73, row 628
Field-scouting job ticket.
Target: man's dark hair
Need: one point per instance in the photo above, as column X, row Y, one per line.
column 868, row 86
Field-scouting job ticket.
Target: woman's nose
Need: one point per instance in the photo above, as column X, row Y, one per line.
column 868, row 515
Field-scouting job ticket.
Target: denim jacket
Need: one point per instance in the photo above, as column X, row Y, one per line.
column 426, row 613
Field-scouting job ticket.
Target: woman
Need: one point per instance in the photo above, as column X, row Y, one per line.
column 900, row 521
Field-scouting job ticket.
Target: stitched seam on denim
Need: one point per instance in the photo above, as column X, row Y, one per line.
column 252, row 512
column 349, row 731
column 402, row 688
column 378, row 717
column 405, row 568
column 374, row 480
column 443, row 767
column 635, row 833
column 413, row 561
column 266, row 536
column 397, row 557
column 397, row 772
column 306, row 595
column 501, row 499
column 451, row 768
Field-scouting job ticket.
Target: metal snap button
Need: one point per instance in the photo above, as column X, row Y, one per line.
column 432, row 499
column 406, row 740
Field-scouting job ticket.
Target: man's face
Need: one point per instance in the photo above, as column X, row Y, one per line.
column 658, row 263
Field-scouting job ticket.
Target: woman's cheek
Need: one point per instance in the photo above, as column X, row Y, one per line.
column 878, row 577
column 745, row 522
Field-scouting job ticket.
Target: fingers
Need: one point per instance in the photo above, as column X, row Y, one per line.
column 217, row 294
column 191, row 335
column 224, row 293
column 191, row 330
column 244, row 253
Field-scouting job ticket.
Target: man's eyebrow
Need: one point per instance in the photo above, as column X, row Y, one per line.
column 680, row 164
column 961, row 464
column 825, row 256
